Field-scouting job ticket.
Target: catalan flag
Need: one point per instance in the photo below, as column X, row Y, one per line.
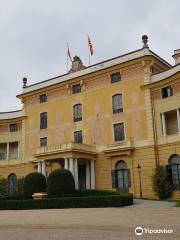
column 90, row 45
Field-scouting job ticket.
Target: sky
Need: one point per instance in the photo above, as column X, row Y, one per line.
column 34, row 36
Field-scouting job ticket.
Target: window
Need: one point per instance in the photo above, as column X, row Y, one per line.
column 77, row 112
column 78, row 137
column 43, row 141
column 43, row 120
column 167, row 92
column 13, row 150
column 76, row 88
column 174, row 171
column 117, row 103
column 13, row 127
column 43, row 98
column 115, row 77
column 118, row 132
column 169, row 122
column 121, row 178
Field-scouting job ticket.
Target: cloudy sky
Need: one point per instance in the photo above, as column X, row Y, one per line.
column 34, row 34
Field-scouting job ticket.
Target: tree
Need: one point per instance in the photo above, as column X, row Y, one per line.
column 161, row 183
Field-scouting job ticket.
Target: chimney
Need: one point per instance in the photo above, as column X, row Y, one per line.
column 176, row 56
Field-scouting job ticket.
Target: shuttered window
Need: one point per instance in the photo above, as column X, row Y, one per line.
column 43, row 98
column 77, row 112
column 43, row 120
column 43, row 141
column 78, row 138
column 118, row 132
column 117, row 104
column 115, row 77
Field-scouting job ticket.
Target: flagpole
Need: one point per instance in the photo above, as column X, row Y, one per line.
column 67, row 58
column 89, row 57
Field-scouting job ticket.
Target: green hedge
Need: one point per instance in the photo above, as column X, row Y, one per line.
column 178, row 203
column 69, row 202
column 88, row 193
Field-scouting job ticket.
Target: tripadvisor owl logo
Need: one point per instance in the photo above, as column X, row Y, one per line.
column 139, row 231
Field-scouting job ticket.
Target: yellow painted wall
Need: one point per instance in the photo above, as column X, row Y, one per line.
column 98, row 120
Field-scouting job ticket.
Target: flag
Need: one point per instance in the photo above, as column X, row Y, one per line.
column 68, row 52
column 90, row 45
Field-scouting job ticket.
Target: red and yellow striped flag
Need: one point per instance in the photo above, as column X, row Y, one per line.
column 90, row 45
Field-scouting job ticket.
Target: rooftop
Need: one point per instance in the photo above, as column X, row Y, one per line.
column 93, row 68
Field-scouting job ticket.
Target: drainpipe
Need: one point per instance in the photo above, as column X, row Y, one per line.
column 156, row 150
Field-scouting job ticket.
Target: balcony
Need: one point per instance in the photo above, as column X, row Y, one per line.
column 9, row 151
column 123, row 148
column 66, row 147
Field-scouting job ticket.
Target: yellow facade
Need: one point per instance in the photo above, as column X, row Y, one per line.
column 93, row 160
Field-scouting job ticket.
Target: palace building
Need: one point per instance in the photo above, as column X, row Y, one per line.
column 110, row 124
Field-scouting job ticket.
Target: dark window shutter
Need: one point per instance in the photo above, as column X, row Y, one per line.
column 114, row 178
column 169, row 172
column 129, row 177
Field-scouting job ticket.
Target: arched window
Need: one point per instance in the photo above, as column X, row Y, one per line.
column 174, row 164
column 77, row 112
column 12, row 184
column 117, row 103
column 121, row 177
column 43, row 120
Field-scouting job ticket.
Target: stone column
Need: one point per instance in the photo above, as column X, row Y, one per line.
column 163, row 124
column 39, row 167
column 66, row 163
column 71, row 166
column 43, row 168
column 87, row 175
column 7, row 151
column 76, row 173
column 18, row 150
column 92, row 175
column 178, row 119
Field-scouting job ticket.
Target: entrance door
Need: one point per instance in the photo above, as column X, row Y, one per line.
column 123, row 180
column 82, row 177
column 12, row 184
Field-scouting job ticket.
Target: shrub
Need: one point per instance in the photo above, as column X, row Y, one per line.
column 161, row 183
column 86, row 193
column 34, row 182
column 69, row 202
column 3, row 187
column 20, row 184
column 61, row 181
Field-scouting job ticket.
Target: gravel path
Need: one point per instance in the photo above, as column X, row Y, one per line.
column 101, row 223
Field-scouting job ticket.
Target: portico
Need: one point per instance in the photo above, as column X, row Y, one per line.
column 76, row 158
